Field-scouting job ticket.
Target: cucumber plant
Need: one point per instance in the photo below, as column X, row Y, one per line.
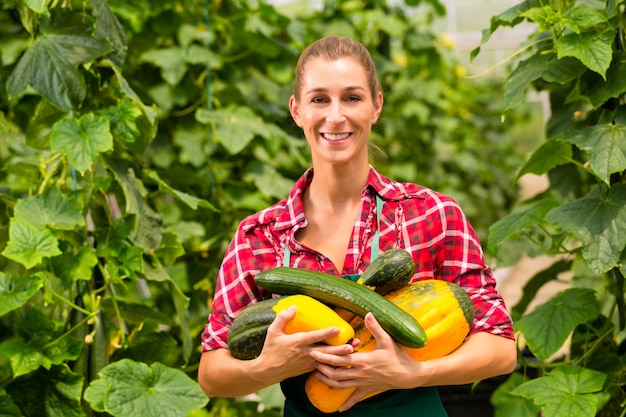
column 135, row 135
column 576, row 58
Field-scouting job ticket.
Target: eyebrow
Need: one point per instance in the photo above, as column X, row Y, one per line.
column 323, row 90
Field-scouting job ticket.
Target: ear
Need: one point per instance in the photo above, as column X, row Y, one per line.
column 378, row 107
column 294, row 109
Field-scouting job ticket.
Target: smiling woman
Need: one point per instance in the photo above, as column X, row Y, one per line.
column 340, row 214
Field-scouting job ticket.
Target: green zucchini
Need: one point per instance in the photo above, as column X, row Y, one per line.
column 390, row 271
column 348, row 295
column 248, row 330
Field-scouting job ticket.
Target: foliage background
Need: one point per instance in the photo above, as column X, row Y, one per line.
column 134, row 136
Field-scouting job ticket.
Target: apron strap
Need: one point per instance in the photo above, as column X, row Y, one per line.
column 375, row 241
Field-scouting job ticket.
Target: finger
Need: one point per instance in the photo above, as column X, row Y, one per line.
column 382, row 337
column 281, row 319
column 358, row 395
column 334, row 360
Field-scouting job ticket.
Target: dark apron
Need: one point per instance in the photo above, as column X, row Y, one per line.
column 416, row 402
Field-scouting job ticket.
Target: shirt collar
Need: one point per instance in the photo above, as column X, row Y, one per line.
column 292, row 213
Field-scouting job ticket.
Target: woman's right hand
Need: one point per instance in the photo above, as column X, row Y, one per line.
column 289, row 355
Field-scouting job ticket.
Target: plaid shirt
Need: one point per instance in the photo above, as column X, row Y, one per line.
column 429, row 225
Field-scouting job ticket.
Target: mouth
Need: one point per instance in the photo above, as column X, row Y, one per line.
column 335, row 137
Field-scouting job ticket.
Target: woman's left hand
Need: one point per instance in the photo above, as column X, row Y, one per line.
column 386, row 367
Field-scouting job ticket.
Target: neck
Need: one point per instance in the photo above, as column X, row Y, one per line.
column 338, row 188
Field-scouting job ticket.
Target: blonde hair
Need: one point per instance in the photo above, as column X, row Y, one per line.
column 332, row 48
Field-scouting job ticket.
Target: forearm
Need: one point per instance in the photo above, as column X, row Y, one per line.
column 221, row 375
column 482, row 356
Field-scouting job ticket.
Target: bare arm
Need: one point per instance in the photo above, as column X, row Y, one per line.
column 283, row 356
column 388, row 367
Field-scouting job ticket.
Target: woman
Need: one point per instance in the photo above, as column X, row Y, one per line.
column 330, row 223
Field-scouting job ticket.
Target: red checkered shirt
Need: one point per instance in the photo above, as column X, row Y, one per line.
column 430, row 225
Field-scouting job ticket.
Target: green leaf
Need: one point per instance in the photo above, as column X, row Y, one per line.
column 147, row 225
column 549, row 155
column 544, row 66
column 189, row 200
column 566, row 391
column 8, row 407
column 122, row 119
column 28, row 245
column 597, row 90
column 52, row 209
column 55, row 393
column 82, row 140
column 109, row 27
column 170, row 248
column 605, row 143
column 511, row 17
column 171, row 62
column 597, row 220
column 590, row 48
column 50, row 65
column 25, row 358
column 583, row 17
column 235, row 127
column 545, row 16
column 71, row 267
column 547, row 327
column 134, row 389
column 38, row 6
column 508, row 405
column 268, row 180
column 191, row 143
column 533, row 285
column 15, row 292
column 513, row 224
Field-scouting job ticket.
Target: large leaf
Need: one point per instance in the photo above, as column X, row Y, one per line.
column 29, row 245
column 509, row 405
column 15, row 292
column 25, row 358
column 235, row 127
column 147, row 225
column 592, row 49
column 52, row 209
column 550, row 154
column 605, row 143
column 55, row 393
column 71, row 267
column 533, row 285
column 547, row 327
column 185, row 198
column 566, row 391
column 546, row 66
column 598, row 90
column 129, row 388
column 109, row 27
column 50, row 64
column 511, row 17
column 82, row 140
column 513, row 225
column 598, row 221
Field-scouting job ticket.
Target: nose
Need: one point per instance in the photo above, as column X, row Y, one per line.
column 335, row 113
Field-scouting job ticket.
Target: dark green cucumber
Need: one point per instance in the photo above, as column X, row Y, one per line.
column 391, row 271
column 246, row 335
column 348, row 295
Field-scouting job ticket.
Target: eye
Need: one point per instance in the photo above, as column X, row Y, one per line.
column 354, row 98
column 317, row 100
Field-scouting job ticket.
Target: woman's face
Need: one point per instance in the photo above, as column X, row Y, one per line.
column 336, row 110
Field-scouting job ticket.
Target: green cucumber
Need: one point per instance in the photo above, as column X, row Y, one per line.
column 348, row 295
column 391, row 271
column 248, row 330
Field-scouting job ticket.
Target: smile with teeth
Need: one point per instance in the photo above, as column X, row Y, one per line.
column 335, row 136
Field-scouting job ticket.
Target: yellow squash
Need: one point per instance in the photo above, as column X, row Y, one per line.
column 444, row 311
